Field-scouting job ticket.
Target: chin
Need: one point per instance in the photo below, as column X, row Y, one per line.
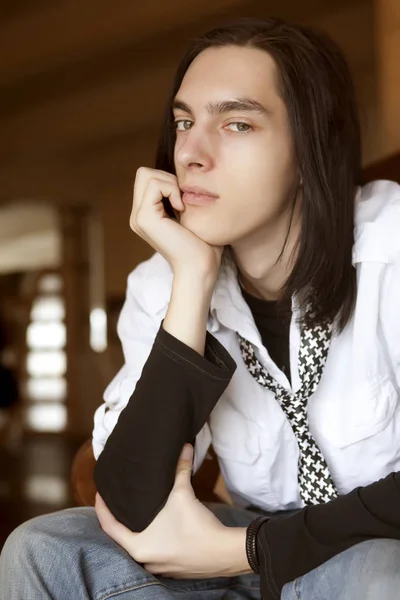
column 209, row 233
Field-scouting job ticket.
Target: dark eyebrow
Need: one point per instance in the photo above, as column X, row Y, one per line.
column 218, row 108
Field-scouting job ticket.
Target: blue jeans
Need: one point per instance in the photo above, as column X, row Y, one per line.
column 66, row 555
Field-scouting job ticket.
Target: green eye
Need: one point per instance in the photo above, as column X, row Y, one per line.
column 183, row 125
column 240, row 127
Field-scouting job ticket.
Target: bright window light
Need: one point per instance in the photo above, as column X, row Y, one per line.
column 51, row 283
column 46, row 335
column 98, row 329
column 51, row 363
column 51, row 388
column 48, row 308
column 48, row 489
column 47, row 417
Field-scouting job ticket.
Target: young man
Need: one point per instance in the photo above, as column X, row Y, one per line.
column 266, row 323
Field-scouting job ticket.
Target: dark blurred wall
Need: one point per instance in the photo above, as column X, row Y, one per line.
column 83, row 84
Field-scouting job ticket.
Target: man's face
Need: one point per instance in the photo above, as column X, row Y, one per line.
column 242, row 153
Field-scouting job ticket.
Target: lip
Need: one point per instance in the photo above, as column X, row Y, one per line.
column 195, row 189
column 197, row 196
column 197, row 199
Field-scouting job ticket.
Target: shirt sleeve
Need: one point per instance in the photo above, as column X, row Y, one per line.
column 389, row 314
column 290, row 546
column 146, row 302
column 147, row 297
column 173, row 398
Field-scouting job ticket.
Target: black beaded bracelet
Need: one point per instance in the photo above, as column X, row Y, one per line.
column 251, row 543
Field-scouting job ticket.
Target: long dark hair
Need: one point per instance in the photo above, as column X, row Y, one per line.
column 316, row 86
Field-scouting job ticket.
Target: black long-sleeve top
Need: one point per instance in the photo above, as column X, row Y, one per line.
column 172, row 400
column 177, row 391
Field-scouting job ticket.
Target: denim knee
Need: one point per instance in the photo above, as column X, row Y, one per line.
column 379, row 568
column 367, row 571
column 35, row 540
column 25, row 541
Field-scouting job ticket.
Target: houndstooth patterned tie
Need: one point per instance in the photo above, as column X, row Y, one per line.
column 315, row 481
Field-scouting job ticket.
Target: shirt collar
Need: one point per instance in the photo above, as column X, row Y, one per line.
column 228, row 307
column 376, row 223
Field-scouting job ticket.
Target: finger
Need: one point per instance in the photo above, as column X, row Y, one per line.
column 184, row 467
column 158, row 569
column 168, row 189
column 109, row 524
column 152, row 206
column 155, row 191
column 143, row 176
column 107, row 520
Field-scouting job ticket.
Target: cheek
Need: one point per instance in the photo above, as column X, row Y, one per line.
column 257, row 186
column 266, row 156
column 267, row 168
column 253, row 172
column 176, row 162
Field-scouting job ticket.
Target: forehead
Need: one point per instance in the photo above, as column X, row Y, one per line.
column 230, row 71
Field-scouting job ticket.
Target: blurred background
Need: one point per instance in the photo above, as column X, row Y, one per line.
column 82, row 90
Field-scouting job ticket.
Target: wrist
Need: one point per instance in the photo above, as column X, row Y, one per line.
column 203, row 280
column 251, row 543
column 188, row 310
column 233, row 552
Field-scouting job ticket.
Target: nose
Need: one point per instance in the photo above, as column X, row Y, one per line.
column 193, row 150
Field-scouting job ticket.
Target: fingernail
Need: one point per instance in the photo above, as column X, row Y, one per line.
column 186, row 452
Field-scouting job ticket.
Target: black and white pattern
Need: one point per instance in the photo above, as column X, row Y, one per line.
column 315, row 481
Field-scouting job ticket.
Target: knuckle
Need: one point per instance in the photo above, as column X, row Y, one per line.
column 139, row 221
column 132, row 220
column 141, row 171
column 153, row 184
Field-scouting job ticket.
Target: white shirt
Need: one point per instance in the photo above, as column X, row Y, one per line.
column 354, row 415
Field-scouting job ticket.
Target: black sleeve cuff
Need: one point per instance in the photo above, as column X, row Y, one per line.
column 216, row 363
